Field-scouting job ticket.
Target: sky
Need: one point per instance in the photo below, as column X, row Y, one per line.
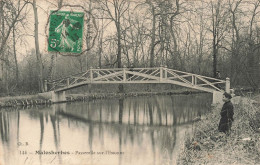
column 44, row 8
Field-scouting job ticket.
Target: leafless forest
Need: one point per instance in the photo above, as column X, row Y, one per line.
column 197, row 36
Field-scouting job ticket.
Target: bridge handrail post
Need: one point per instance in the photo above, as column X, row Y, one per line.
column 97, row 71
column 68, row 81
column 165, row 72
column 45, row 86
column 124, row 73
column 161, row 73
column 193, row 79
column 91, row 73
column 227, row 85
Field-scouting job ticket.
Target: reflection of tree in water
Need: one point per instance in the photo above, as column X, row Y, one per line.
column 90, row 138
column 153, row 145
column 121, row 108
column 42, row 115
column 56, row 131
column 7, row 118
column 120, row 146
column 150, row 108
column 155, row 111
column 140, row 111
column 133, row 132
column 187, row 110
column 159, row 110
column 100, row 128
column 127, row 120
column 42, row 133
column 166, row 137
column 129, row 105
column 144, row 122
column 174, row 112
column 135, row 109
column 168, row 142
column 4, row 127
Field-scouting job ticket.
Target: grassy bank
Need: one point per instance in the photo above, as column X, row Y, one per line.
column 10, row 101
column 45, row 98
column 86, row 96
column 207, row 146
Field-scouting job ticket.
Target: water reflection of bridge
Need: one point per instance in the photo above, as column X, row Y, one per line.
column 152, row 111
column 144, row 122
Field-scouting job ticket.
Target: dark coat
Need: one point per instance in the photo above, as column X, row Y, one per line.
column 227, row 113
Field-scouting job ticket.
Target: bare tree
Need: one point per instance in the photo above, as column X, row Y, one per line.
column 218, row 29
column 100, row 44
column 15, row 57
column 37, row 49
column 88, row 38
column 7, row 28
column 115, row 11
column 253, row 48
column 11, row 12
column 236, row 41
column 152, row 33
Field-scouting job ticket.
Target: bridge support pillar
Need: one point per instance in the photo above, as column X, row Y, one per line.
column 217, row 97
column 45, row 86
column 227, row 85
column 57, row 97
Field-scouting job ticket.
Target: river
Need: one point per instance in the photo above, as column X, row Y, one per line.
column 134, row 130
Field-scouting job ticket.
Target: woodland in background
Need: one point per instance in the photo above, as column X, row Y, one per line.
column 197, row 36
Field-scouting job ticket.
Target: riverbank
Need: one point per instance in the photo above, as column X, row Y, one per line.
column 207, row 146
column 42, row 98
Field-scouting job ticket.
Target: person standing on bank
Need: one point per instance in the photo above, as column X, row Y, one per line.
column 226, row 113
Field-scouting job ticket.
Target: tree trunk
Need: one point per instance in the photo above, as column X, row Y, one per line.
column 6, row 73
column 53, row 65
column 119, row 64
column 215, row 52
column 15, row 58
column 1, row 38
column 37, row 49
column 88, row 35
column 5, row 35
column 100, row 47
column 119, row 46
column 153, row 38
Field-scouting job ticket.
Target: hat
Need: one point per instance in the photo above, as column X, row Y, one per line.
column 227, row 95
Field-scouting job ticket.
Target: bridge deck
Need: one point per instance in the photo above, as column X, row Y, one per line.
column 136, row 76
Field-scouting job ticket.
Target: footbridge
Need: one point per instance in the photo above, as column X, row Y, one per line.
column 158, row 75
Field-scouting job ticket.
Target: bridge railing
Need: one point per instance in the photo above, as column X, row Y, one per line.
column 197, row 81
column 139, row 75
column 66, row 81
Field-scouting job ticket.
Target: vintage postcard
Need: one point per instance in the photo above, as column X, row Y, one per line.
column 127, row 82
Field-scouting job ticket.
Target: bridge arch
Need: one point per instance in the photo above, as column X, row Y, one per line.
column 125, row 75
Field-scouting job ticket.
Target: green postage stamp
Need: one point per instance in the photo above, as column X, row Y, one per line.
column 65, row 31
